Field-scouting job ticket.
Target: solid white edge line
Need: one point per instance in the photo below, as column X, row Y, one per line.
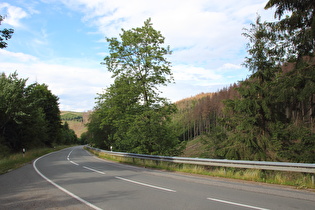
column 148, row 185
column 237, row 204
column 61, row 188
column 93, row 170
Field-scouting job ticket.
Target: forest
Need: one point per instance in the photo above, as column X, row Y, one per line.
column 29, row 116
column 268, row 116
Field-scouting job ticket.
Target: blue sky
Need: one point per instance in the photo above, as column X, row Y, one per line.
column 62, row 42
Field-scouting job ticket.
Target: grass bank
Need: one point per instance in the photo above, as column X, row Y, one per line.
column 15, row 161
column 298, row 180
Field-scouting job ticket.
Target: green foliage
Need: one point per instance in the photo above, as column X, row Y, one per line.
column 68, row 136
column 41, row 97
column 29, row 116
column 5, row 34
column 272, row 117
column 151, row 132
column 130, row 116
column 72, row 116
column 299, row 24
column 140, row 57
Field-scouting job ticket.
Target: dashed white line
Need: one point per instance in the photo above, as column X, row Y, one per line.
column 74, row 163
column 237, row 204
column 148, row 185
column 68, row 158
column 91, row 169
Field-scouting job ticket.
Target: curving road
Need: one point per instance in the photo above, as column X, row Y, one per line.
column 87, row 182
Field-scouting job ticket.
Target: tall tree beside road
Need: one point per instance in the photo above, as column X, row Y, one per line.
column 140, row 57
column 42, row 97
column 136, row 117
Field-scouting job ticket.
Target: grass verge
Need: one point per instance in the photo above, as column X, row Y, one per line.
column 298, row 180
column 15, row 161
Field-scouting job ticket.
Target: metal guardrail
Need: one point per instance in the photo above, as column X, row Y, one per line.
column 264, row 165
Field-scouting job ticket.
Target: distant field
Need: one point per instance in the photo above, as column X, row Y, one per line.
column 76, row 121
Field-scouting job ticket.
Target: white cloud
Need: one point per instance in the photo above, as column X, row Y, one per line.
column 75, row 86
column 200, row 31
column 194, row 74
column 230, row 66
column 18, row 57
column 12, row 14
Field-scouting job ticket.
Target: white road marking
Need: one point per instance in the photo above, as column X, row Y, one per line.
column 74, row 163
column 148, row 185
column 237, row 204
column 91, row 169
column 68, row 158
column 61, row 188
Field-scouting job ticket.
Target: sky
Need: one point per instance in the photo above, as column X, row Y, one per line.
column 62, row 42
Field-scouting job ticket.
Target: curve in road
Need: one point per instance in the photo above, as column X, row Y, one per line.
column 102, row 184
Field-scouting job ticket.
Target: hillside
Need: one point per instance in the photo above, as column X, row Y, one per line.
column 196, row 148
column 76, row 121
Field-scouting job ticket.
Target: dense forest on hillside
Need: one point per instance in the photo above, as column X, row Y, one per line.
column 76, row 121
column 268, row 116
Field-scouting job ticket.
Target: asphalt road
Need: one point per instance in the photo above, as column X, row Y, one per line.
column 75, row 179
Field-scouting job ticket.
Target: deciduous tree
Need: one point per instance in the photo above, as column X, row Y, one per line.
column 5, row 34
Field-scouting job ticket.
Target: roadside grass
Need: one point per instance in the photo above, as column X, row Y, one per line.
column 17, row 160
column 298, row 180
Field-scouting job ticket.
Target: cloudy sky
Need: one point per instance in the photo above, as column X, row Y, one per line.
column 62, row 42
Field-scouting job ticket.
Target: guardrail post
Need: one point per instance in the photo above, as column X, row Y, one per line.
column 313, row 180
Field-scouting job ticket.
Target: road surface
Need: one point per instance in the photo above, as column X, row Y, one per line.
column 86, row 182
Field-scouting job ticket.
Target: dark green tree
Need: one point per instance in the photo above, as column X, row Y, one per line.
column 29, row 115
column 68, row 136
column 44, row 99
column 152, row 132
column 98, row 134
column 250, row 116
column 12, row 109
column 273, row 119
column 5, row 34
column 299, row 23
